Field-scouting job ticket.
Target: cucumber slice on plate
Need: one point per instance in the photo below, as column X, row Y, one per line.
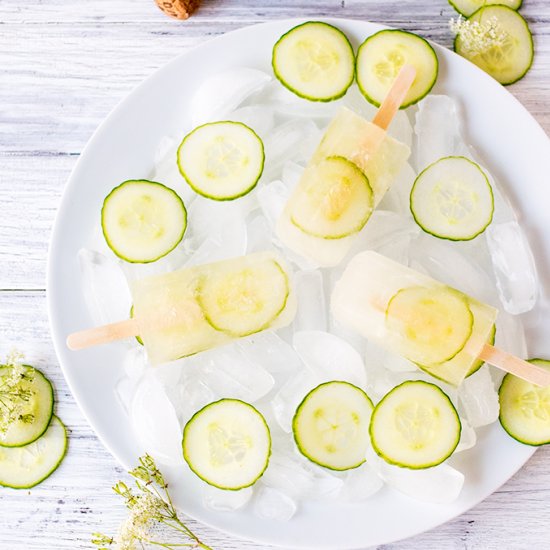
column 468, row 7
column 38, row 408
column 380, row 58
column 244, row 299
column 525, row 409
column 227, row 444
column 27, row 466
column 221, row 160
column 429, row 325
column 315, row 61
column 334, row 199
column 330, row 425
column 143, row 220
column 500, row 43
column 453, row 199
column 415, row 426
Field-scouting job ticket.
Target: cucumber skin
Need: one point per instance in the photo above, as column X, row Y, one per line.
column 530, row 36
column 49, row 420
column 263, row 327
column 268, row 451
column 503, row 424
column 162, row 255
column 480, row 362
column 211, row 197
column 414, row 101
column 464, row 15
column 424, row 466
column 56, row 466
column 138, row 338
column 294, row 421
column 435, row 234
column 299, row 94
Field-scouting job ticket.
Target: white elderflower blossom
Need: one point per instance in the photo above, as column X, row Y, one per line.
column 478, row 37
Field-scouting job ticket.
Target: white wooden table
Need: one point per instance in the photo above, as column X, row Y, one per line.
column 64, row 65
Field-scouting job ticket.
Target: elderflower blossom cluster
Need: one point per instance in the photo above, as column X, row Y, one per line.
column 478, row 37
column 13, row 397
column 137, row 525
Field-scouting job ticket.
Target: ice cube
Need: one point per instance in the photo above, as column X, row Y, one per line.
column 290, row 141
column 360, row 483
column 329, row 357
column 135, row 362
column 356, row 101
column 258, row 235
column 272, row 198
column 312, row 309
column 401, row 128
column 190, row 396
column 225, row 501
column 513, row 266
column 468, row 437
column 271, row 352
column 258, row 117
column 441, row 484
column 510, row 337
column 478, row 399
column 223, row 92
column 437, row 130
column 397, row 198
column 287, row 473
column 228, row 372
column 292, row 172
column 155, row 422
column 350, row 336
column 104, row 287
column 273, row 505
column 290, row 395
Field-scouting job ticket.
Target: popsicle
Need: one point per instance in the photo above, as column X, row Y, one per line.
column 194, row 309
column 442, row 330
column 347, row 176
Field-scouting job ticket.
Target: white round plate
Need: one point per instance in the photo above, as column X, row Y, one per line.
column 515, row 148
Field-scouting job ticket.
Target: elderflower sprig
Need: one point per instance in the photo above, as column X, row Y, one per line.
column 478, row 37
column 13, row 395
column 150, row 507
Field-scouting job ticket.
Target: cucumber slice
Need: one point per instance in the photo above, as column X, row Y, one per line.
column 241, row 299
column 330, row 425
column 429, row 325
column 380, row 58
column 479, row 363
column 227, row 444
column 501, row 43
column 468, row 7
column 334, row 199
column 27, row 466
column 452, row 199
column 143, row 220
column 39, row 405
column 221, row 160
column 415, row 426
column 315, row 61
column 525, row 409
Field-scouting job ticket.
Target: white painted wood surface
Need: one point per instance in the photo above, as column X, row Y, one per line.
column 63, row 66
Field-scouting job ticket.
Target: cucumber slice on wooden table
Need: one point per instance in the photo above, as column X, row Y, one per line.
column 143, row 220
column 39, row 405
column 501, row 43
column 330, row 425
column 241, row 300
column 468, row 7
column 415, row 426
column 429, row 325
column 227, row 444
column 315, row 61
column 221, row 160
column 453, row 199
column 380, row 58
column 27, row 466
column 525, row 409
column 336, row 200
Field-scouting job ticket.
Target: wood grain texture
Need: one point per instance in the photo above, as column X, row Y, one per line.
column 64, row 66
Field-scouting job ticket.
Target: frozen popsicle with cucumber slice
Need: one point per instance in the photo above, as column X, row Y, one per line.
column 445, row 332
column 194, row 309
column 347, row 176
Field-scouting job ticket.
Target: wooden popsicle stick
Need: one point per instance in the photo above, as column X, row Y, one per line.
column 393, row 101
column 103, row 335
column 514, row 365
